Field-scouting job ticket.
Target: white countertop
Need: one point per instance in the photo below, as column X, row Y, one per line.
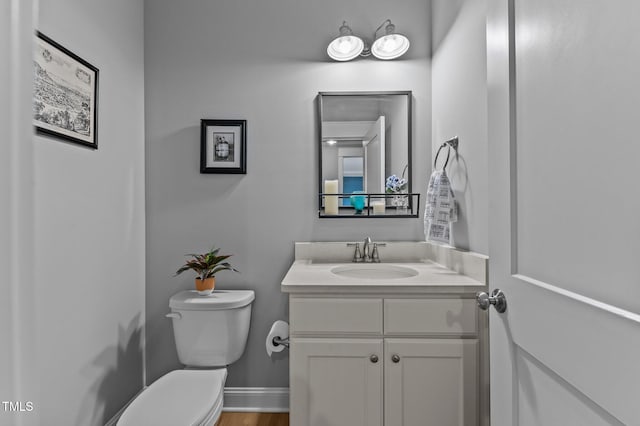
column 439, row 269
column 307, row 276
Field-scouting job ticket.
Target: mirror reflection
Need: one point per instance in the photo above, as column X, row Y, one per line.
column 365, row 137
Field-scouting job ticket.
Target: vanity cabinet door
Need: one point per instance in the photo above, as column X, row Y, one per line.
column 431, row 382
column 336, row 382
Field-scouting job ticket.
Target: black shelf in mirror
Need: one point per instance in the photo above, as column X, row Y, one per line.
column 372, row 206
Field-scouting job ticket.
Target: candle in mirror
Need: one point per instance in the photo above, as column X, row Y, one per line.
column 378, row 207
column 331, row 202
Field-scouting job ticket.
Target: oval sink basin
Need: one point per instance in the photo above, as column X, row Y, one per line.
column 374, row 271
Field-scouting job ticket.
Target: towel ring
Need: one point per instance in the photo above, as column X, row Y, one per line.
column 435, row 162
column 451, row 143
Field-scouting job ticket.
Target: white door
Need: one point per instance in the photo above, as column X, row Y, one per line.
column 564, row 119
column 374, row 155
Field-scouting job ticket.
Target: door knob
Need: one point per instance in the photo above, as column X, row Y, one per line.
column 496, row 299
column 374, row 358
column 395, row 358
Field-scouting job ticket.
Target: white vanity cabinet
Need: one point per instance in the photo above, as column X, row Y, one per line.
column 373, row 360
column 398, row 343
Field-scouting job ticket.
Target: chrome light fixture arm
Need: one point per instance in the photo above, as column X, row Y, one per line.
column 367, row 46
column 389, row 28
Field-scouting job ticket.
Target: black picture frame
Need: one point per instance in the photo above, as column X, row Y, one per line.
column 65, row 94
column 223, row 146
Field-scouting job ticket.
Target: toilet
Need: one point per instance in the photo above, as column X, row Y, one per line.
column 210, row 333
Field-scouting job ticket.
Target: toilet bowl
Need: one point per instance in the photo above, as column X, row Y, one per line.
column 210, row 333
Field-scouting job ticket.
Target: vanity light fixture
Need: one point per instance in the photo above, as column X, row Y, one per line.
column 348, row 46
column 391, row 45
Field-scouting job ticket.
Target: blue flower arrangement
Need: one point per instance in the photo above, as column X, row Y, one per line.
column 395, row 184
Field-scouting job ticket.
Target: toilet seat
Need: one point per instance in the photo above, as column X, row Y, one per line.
column 180, row 397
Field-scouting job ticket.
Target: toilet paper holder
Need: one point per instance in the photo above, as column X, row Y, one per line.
column 278, row 337
column 277, row 341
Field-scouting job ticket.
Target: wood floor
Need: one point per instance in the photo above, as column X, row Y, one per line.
column 253, row 419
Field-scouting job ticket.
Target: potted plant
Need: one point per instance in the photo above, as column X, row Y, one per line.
column 207, row 265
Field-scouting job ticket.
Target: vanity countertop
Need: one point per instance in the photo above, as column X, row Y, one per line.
column 434, row 269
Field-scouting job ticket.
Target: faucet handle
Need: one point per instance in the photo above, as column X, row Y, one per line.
column 357, row 255
column 375, row 257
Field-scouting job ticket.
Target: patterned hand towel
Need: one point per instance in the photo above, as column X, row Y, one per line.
column 440, row 210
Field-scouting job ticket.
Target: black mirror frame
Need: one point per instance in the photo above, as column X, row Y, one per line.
column 409, row 96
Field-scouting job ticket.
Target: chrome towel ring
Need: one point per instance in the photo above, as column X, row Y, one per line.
column 451, row 143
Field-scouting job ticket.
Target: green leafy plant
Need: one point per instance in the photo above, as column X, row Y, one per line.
column 207, row 265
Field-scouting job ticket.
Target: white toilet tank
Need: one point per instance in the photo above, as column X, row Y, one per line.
column 211, row 331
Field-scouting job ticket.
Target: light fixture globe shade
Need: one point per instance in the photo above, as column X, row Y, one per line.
column 345, row 48
column 390, row 46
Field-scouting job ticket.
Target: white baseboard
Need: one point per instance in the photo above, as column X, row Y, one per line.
column 256, row 400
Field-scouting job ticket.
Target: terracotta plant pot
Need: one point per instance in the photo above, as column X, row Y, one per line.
column 206, row 286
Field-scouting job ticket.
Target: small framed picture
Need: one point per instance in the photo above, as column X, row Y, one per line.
column 223, row 146
column 65, row 94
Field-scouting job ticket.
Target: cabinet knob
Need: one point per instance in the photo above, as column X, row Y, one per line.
column 374, row 358
column 395, row 358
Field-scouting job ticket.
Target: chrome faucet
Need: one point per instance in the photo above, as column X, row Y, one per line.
column 365, row 250
column 368, row 253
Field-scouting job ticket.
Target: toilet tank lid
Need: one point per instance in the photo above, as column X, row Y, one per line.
column 190, row 300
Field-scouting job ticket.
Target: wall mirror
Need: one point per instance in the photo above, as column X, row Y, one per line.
column 365, row 137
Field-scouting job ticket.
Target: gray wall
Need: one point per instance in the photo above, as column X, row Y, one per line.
column 459, row 70
column 89, row 224
column 263, row 62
